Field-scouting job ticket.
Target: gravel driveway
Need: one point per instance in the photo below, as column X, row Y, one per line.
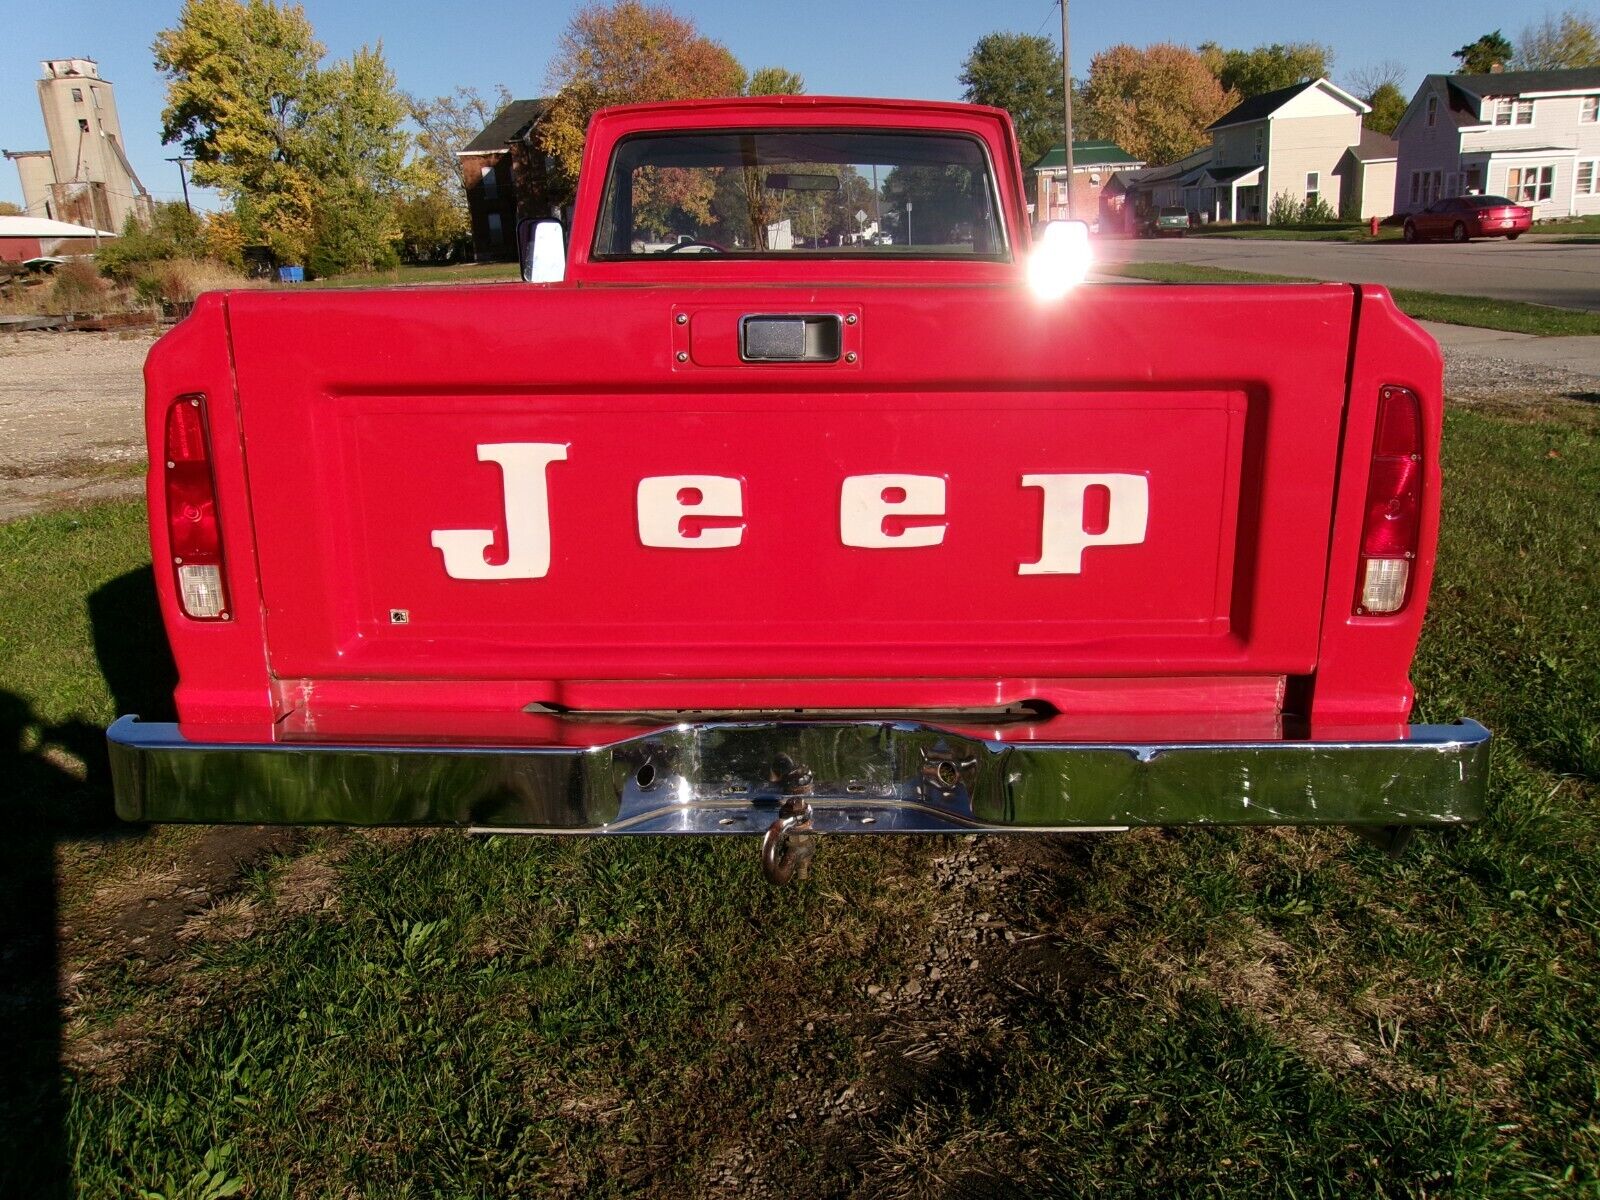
column 71, row 418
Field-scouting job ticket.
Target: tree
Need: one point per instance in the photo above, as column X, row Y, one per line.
column 1555, row 43
column 356, row 149
column 1363, row 81
column 1484, row 55
column 312, row 158
column 445, row 124
column 1020, row 73
column 774, row 81
column 1268, row 68
column 627, row 53
column 1388, row 105
column 8, row 209
column 1155, row 103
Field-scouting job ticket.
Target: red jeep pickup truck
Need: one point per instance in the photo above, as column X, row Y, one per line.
column 800, row 496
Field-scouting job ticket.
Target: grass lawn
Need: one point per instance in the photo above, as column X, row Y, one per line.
column 1590, row 224
column 1165, row 1013
column 1481, row 311
column 456, row 273
column 1334, row 231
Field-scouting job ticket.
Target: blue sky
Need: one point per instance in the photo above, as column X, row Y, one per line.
column 884, row 49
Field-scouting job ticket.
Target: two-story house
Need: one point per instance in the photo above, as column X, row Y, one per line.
column 507, row 177
column 1093, row 163
column 1531, row 135
column 1286, row 142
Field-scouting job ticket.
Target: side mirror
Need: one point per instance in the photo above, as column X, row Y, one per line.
column 544, row 252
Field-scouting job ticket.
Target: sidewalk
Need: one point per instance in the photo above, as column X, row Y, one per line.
column 1464, row 343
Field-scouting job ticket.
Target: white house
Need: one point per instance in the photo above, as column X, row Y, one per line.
column 1531, row 135
column 1287, row 142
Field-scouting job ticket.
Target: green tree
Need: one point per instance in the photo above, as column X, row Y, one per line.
column 774, row 81
column 1388, row 105
column 626, row 53
column 355, row 147
column 1267, row 68
column 1556, row 43
column 1155, row 103
column 241, row 79
column 1020, row 73
column 1484, row 55
column 312, row 158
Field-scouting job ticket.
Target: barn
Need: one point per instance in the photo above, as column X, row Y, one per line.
column 22, row 238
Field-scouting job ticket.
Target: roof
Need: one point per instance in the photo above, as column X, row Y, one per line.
column 1374, row 146
column 41, row 227
column 1232, row 174
column 1516, row 83
column 1085, row 154
column 509, row 124
column 1259, row 108
column 1149, row 176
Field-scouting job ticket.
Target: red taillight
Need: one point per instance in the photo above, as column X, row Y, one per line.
column 1393, row 513
column 192, row 529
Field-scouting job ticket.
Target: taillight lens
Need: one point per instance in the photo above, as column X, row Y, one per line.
column 192, row 528
column 1393, row 513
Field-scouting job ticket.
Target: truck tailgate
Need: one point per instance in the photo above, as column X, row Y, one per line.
column 364, row 417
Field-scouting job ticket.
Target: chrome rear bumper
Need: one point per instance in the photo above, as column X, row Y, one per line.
column 858, row 776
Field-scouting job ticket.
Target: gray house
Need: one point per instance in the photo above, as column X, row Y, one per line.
column 1531, row 135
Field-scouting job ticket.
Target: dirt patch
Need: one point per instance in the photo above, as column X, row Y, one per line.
column 139, row 934
column 71, row 418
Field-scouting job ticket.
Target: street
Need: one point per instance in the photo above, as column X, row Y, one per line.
column 1539, row 272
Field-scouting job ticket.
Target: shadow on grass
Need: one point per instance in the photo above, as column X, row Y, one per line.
column 49, row 799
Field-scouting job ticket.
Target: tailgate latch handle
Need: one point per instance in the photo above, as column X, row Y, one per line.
column 790, row 337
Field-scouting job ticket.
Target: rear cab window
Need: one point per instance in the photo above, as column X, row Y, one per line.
column 800, row 193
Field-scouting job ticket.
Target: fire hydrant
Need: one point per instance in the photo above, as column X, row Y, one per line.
column 1372, row 227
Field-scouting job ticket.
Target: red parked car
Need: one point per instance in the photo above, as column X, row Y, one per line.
column 1460, row 218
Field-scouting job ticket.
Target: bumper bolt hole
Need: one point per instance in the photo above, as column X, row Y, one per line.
column 645, row 777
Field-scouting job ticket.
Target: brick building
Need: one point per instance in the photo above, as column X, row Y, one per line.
column 507, row 178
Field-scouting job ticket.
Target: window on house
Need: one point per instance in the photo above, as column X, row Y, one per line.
column 1589, row 112
column 83, row 124
column 1261, row 137
column 77, row 95
column 1530, row 185
column 497, row 232
column 491, row 182
column 1416, row 187
column 1433, row 109
column 1313, row 187
column 1588, row 183
column 1511, row 111
column 1474, row 178
column 94, row 94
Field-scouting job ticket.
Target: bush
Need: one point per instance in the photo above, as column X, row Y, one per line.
column 1317, row 212
column 179, row 280
column 1286, row 210
column 172, row 231
column 77, row 288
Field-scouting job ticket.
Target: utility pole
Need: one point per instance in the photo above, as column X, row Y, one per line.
column 182, row 176
column 1066, row 99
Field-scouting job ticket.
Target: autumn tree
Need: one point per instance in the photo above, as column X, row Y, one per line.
column 774, row 81
column 1155, row 103
column 1266, row 68
column 1484, row 55
column 1557, row 43
column 240, row 81
column 627, row 53
column 312, row 158
column 1020, row 73
column 445, row 124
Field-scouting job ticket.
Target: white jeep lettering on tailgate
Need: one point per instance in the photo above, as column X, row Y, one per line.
column 1064, row 538
column 864, row 503
column 663, row 505
column 527, row 501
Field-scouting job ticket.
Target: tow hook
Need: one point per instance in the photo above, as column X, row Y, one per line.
column 788, row 844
